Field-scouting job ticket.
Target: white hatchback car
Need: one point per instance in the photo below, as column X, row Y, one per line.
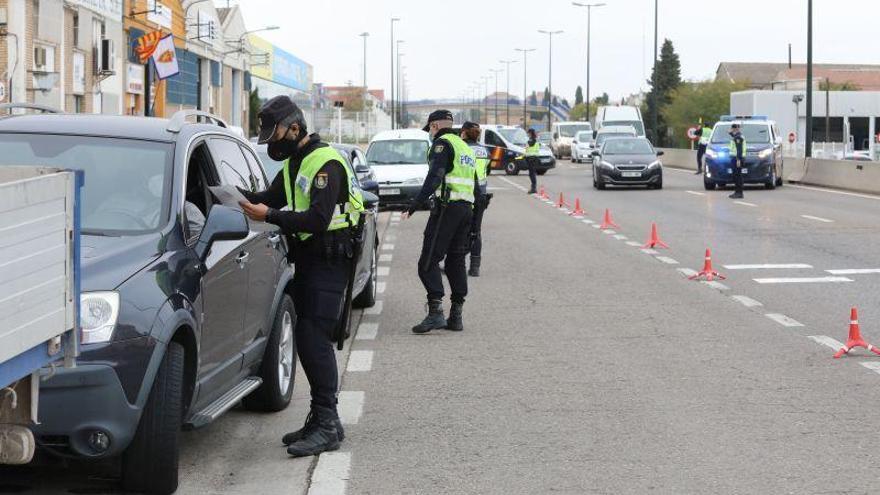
column 582, row 147
column 399, row 160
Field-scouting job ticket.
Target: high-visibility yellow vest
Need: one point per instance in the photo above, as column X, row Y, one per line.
column 458, row 185
column 706, row 136
column 533, row 150
column 732, row 148
column 299, row 193
column 482, row 157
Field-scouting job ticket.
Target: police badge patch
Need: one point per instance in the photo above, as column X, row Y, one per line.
column 438, row 149
column 321, row 180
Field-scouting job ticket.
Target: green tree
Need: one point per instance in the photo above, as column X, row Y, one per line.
column 533, row 98
column 602, row 100
column 665, row 78
column 578, row 112
column 693, row 101
column 578, row 96
column 546, row 98
column 254, row 104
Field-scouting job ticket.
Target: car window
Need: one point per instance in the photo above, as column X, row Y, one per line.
column 570, row 130
column 256, row 170
column 492, row 139
column 231, row 164
column 516, row 136
column 398, row 152
column 627, row 147
column 753, row 133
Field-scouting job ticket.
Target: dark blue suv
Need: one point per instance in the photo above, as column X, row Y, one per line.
column 762, row 157
column 185, row 309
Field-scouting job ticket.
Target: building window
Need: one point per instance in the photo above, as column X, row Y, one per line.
column 75, row 29
column 78, row 104
column 35, row 6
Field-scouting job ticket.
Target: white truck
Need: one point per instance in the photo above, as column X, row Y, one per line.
column 620, row 115
column 39, row 293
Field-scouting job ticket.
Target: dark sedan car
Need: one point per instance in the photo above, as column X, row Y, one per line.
column 186, row 307
column 627, row 161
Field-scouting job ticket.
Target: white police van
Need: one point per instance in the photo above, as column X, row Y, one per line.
column 762, row 161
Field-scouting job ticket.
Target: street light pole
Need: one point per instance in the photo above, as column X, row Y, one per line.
column 550, row 78
column 808, row 152
column 364, row 35
column 507, row 91
column 393, row 20
column 525, row 52
column 495, row 96
column 399, row 95
column 589, row 7
column 654, row 119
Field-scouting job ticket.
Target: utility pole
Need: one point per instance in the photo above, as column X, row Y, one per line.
column 364, row 35
column 495, row 96
column 589, row 7
column 393, row 20
column 550, row 78
column 507, row 91
column 397, row 115
column 525, row 52
column 654, row 119
column 808, row 152
column 485, row 96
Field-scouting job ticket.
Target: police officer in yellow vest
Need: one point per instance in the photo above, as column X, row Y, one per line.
column 470, row 133
column 533, row 150
column 452, row 180
column 325, row 204
column 705, row 135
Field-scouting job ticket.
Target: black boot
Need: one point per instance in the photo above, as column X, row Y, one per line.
column 475, row 267
column 736, row 195
column 434, row 320
column 454, row 322
column 311, row 424
column 532, row 191
column 321, row 438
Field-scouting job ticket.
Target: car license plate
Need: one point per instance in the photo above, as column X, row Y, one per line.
column 388, row 192
column 630, row 174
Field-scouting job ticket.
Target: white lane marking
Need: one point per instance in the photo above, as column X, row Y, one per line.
column 667, row 260
column 832, row 191
column 696, row 193
column 588, row 221
column 387, row 247
column 803, row 280
column 385, row 258
column 716, row 285
column 784, row 320
column 745, row 203
column 826, row 340
column 621, row 237
column 376, row 309
column 367, row 331
column 331, row 474
column 380, row 287
column 771, row 266
column 383, row 271
column 818, row 219
column 634, row 244
column 396, row 214
column 351, row 406
column 390, row 238
column 512, row 183
column 871, row 365
column 746, row 301
column 856, row 271
column 596, row 225
column 650, row 251
column 360, row 361
column 609, row 232
column 687, row 272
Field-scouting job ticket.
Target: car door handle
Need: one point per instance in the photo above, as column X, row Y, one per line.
column 242, row 258
column 274, row 240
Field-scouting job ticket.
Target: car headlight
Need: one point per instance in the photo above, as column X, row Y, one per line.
column 97, row 316
column 413, row 181
column 765, row 153
column 711, row 153
column 654, row 164
column 606, row 164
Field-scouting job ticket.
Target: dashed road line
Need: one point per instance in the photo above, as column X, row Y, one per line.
column 609, row 232
column 376, row 309
column 826, row 340
column 634, row 244
column 383, row 271
column 331, row 474
column 746, row 301
column 871, row 365
column 715, row 285
column 696, row 193
column 769, row 266
column 687, row 272
column 351, row 407
column 380, row 287
column 367, row 331
column 588, row 221
column 387, row 247
column 818, row 219
column 621, row 237
column 803, row 280
column 745, row 203
column 390, row 238
column 360, row 361
column 385, row 258
column 784, row 320
column 667, row 260
column 650, row 251
column 595, row 225
column 855, row 271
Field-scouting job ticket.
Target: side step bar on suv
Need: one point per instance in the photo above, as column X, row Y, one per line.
column 224, row 402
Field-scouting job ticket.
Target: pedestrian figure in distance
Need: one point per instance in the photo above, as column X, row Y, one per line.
column 533, row 149
column 737, row 149
column 705, row 134
column 470, row 133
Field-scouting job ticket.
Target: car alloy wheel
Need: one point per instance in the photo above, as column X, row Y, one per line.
column 285, row 354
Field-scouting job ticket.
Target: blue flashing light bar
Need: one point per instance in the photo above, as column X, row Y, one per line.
column 731, row 118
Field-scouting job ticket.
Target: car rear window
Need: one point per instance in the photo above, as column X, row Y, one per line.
column 398, row 152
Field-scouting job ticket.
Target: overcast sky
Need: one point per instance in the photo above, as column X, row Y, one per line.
column 449, row 45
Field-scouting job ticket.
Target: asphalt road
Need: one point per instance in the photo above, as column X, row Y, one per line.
column 590, row 366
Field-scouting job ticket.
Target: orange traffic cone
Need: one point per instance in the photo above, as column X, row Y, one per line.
column 561, row 203
column 607, row 222
column 578, row 211
column 655, row 241
column 855, row 337
column 543, row 194
column 708, row 271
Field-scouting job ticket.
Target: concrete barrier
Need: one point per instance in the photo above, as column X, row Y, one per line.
column 838, row 174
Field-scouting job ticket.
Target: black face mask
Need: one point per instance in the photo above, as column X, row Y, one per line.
column 282, row 150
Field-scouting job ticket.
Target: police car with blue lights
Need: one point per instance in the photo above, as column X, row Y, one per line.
column 762, row 160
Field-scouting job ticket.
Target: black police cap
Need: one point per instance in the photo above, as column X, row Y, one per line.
column 437, row 115
column 280, row 110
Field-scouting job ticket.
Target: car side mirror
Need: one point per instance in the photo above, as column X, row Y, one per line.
column 223, row 224
column 595, row 153
column 555, row 135
column 574, row 142
column 371, row 199
column 595, row 133
column 360, row 168
column 660, row 153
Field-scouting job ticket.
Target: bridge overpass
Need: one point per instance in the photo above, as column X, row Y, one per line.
column 470, row 110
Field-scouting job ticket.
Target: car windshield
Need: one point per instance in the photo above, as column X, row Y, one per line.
column 635, row 124
column 516, row 136
column 545, row 137
column 127, row 181
column 584, row 136
column 623, row 146
column 570, row 130
column 398, row 152
column 753, row 133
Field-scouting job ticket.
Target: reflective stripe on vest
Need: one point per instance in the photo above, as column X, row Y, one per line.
column 732, row 148
column 299, row 193
column 459, row 183
column 482, row 163
column 533, row 150
column 706, row 136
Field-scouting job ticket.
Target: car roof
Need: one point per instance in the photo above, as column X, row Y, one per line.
column 617, row 129
column 401, row 134
column 149, row 128
column 573, row 122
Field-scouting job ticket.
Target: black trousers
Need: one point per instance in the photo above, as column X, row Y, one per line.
column 449, row 238
column 477, row 229
column 318, row 296
column 532, row 162
column 737, row 175
column 701, row 151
